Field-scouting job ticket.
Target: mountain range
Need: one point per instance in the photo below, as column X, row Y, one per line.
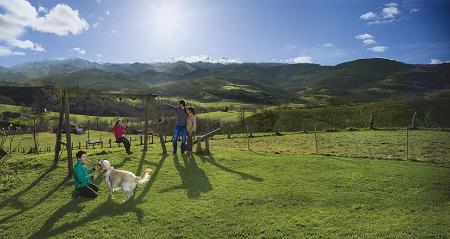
column 363, row 80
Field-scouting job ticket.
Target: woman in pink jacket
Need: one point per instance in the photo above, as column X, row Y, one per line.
column 119, row 130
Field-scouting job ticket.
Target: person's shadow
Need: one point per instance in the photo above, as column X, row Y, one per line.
column 193, row 178
column 210, row 159
column 108, row 208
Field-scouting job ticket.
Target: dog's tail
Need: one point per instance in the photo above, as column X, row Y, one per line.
column 145, row 177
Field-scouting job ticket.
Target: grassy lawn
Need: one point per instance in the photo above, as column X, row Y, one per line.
column 53, row 116
column 232, row 193
column 230, row 116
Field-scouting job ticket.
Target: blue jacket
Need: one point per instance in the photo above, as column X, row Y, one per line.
column 82, row 175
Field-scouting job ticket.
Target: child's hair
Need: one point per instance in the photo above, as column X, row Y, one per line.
column 117, row 122
column 80, row 153
column 182, row 102
column 191, row 109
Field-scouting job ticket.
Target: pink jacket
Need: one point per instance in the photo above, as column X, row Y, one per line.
column 119, row 131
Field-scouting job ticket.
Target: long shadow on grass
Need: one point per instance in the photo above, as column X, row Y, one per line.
column 107, row 209
column 13, row 200
column 210, row 159
column 193, row 178
column 152, row 179
column 41, row 200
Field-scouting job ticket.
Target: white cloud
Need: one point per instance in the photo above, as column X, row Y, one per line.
column 392, row 4
column 42, row 9
column 368, row 16
column 4, row 51
column 114, row 32
column 101, row 18
column 390, row 11
column 302, row 59
column 388, row 14
column 95, row 25
column 328, row 45
column 435, row 61
column 99, row 56
column 62, row 20
column 79, row 50
column 364, row 36
column 27, row 44
column 107, row 12
column 413, row 10
column 369, row 41
column 378, row 49
column 19, row 15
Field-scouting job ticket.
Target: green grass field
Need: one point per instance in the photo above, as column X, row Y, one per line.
column 230, row 116
column 269, row 192
column 53, row 116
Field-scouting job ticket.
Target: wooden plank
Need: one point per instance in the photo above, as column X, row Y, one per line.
column 146, row 123
column 59, row 129
column 68, row 137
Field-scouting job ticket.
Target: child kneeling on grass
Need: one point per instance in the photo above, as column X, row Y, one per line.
column 83, row 176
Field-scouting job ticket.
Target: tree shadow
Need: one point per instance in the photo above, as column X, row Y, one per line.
column 41, row 200
column 193, row 178
column 108, row 208
column 152, row 179
column 210, row 159
column 13, row 200
column 142, row 162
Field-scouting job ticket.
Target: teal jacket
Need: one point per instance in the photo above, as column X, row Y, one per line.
column 82, row 175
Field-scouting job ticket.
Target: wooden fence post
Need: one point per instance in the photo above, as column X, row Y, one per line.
column 407, row 143
column 110, row 145
column 315, row 138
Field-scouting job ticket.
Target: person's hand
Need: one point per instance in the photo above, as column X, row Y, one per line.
column 94, row 177
column 97, row 167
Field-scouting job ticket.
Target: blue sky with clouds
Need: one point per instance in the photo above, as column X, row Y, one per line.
column 326, row 32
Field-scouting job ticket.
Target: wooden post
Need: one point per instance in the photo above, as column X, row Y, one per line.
column 334, row 123
column 152, row 139
column 110, row 145
column 146, row 123
column 371, row 121
column 413, row 121
column 86, row 144
column 140, row 136
column 62, row 103
column 315, row 138
column 248, row 139
column 79, row 145
column 68, row 137
column 207, row 146
column 199, row 145
column 407, row 143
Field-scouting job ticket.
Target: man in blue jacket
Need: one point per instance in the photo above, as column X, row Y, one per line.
column 180, row 127
column 82, row 177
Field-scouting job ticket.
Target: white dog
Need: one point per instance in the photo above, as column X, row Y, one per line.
column 127, row 181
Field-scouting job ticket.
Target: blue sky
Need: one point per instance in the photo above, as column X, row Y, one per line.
column 290, row 31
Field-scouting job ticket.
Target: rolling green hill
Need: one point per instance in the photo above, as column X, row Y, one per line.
column 359, row 81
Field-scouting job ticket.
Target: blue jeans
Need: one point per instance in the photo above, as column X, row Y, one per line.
column 179, row 129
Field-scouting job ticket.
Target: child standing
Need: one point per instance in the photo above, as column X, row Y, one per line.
column 191, row 127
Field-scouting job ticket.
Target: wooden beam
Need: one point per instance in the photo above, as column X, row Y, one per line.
column 62, row 103
column 68, row 137
column 147, row 99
